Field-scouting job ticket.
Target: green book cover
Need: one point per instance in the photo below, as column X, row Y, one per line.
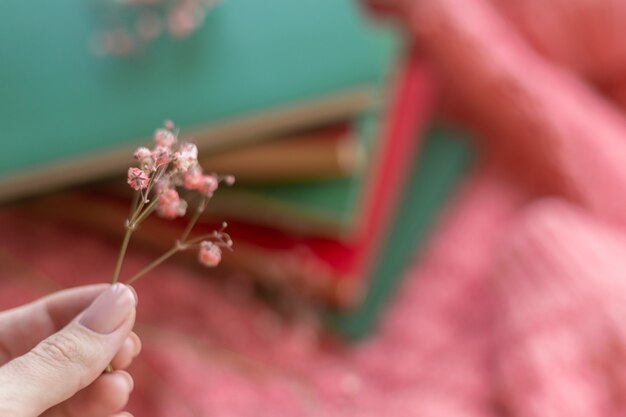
column 439, row 166
column 61, row 102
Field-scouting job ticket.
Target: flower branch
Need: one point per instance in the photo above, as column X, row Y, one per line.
column 171, row 165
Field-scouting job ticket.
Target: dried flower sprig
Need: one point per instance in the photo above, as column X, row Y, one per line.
column 133, row 24
column 169, row 167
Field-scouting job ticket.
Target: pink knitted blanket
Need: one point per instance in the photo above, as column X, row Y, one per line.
column 514, row 309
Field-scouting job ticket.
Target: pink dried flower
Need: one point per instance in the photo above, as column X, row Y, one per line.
column 164, row 170
column 162, row 155
column 179, row 18
column 168, row 124
column 141, row 154
column 170, row 205
column 169, row 196
column 172, row 211
column 210, row 254
column 144, row 157
column 229, row 180
column 186, row 157
column 137, row 179
column 193, row 178
column 181, row 22
column 165, row 138
column 208, row 185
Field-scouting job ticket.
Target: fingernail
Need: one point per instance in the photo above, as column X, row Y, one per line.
column 109, row 310
column 128, row 378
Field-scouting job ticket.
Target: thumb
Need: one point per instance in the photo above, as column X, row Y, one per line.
column 70, row 359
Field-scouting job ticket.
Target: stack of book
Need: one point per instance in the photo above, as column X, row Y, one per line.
column 323, row 119
column 336, row 213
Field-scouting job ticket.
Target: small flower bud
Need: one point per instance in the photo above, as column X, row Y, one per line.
column 137, row 179
column 229, row 180
column 170, row 205
column 186, row 157
column 181, row 22
column 165, row 138
column 142, row 153
column 193, row 178
column 210, row 254
column 161, row 155
column 144, row 157
column 169, row 196
column 208, row 185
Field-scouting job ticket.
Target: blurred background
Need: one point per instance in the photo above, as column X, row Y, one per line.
column 427, row 216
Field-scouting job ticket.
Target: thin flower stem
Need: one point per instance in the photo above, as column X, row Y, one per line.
column 138, row 210
column 142, row 203
column 193, row 220
column 179, row 246
column 146, row 212
column 176, row 248
column 214, row 235
column 134, row 218
column 134, row 203
column 199, row 239
column 120, row 258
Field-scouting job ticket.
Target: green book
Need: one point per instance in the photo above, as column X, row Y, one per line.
column 254, row 69
column 324, row 208
column 439, row 166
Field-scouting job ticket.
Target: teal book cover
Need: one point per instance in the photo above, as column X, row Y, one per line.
column 63, row 103
column 438, row 168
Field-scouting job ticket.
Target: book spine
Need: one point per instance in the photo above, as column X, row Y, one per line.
column 409, row 110
column 312, row 156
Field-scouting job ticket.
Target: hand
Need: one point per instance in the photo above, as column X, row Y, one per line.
column 53, row 353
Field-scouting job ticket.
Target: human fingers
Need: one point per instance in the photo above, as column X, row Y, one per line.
column 71, row 359
column 129, row 351
column 23, row 327
column 108, row 394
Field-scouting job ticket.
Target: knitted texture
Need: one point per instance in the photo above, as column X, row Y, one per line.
column 562, row 298
column 509, row 311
